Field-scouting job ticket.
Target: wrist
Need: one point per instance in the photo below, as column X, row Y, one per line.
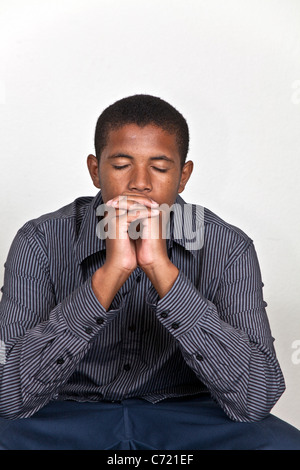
column 155, row 267
column 114, row 268
column 107, row 281
column 162, row 276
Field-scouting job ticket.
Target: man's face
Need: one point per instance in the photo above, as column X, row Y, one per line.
column 142, row 161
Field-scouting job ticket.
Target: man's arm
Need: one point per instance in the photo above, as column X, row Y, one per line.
column 43, row 340
column 228, row 343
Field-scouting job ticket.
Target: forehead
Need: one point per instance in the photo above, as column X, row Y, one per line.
column 144, row 140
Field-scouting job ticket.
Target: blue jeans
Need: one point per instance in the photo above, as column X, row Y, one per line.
column 192, row 423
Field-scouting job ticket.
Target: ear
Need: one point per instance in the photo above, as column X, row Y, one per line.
column 185, row 175
column 93, row 168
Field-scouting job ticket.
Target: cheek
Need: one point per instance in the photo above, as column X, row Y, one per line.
column 111, row 186
column 166, row 192
column 171, row 184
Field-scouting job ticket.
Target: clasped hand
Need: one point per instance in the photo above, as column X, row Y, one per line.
column 136, row 230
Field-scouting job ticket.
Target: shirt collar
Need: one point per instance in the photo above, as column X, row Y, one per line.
column 185, row 218
column 88, row 243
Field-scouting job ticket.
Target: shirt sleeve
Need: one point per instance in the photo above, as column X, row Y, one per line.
column 42, row 342
column 227, row 342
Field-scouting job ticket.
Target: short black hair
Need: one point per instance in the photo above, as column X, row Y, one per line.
column 142, row 110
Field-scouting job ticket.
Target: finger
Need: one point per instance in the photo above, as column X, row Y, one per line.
column 141, row 214
column 134, row 206
column 114, row 212
column 131, row 199
column 139, row 197
column 130, row 206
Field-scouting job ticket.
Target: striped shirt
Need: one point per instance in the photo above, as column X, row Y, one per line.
column 208, row 334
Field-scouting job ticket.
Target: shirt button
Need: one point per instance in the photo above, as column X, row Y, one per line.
column 175, row 325
column 89, row 330
column 199, row 357
column 127, row 367
column 138, row 278
column 132, row 328
column 60, row 360
column 100, row 321
column 165, row 314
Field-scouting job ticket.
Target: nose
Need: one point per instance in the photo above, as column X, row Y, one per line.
column 140, row 180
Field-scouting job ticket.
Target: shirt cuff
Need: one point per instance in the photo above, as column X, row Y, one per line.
column 181, row 308
column 84, row 314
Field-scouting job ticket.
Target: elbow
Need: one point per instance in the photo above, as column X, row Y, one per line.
column 257, row 405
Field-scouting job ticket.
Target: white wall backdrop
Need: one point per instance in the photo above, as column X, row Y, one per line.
column 231, row 67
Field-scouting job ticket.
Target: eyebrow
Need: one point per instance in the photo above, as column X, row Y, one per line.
column 157, row 157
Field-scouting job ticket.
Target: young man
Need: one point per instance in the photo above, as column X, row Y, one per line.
column 122, row 338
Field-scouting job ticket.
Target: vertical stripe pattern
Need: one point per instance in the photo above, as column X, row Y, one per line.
column 210, row 333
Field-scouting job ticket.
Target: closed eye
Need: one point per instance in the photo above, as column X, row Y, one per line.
column 119, row 167
column 162, row 170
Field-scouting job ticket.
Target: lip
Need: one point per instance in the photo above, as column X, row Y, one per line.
column 138, row 195
column 133, row 194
